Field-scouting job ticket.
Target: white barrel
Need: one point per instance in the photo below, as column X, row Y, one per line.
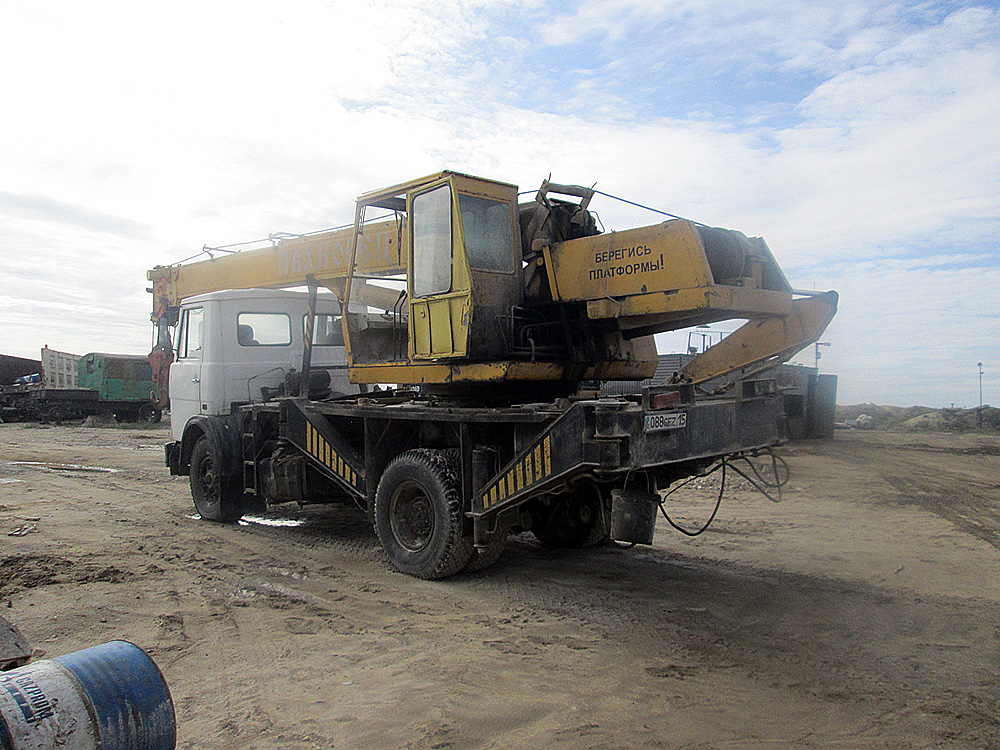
column 107, row 697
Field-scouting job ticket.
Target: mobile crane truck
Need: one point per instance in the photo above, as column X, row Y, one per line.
column 439, row 386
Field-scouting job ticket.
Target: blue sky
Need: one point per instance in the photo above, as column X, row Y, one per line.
column 858, row 138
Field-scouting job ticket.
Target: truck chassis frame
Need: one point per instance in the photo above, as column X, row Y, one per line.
column 513, row 468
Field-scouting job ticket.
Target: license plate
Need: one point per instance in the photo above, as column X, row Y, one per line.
column 673, row 420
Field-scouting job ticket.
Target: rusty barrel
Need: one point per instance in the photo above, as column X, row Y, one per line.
column 107, row 697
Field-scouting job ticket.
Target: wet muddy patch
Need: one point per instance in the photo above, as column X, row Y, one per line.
column 73, row 468
column 22, row 572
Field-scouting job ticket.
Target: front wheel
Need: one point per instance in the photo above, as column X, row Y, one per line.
column 418, row 515
column 216, row 497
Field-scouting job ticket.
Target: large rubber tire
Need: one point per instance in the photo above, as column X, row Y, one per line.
column 574, row 522
column 149, row 413
column 216, row 497
column 419, row 517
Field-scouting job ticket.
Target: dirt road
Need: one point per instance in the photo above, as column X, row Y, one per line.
column 861, row 612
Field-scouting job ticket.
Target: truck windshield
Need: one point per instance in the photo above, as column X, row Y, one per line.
column 488, row 240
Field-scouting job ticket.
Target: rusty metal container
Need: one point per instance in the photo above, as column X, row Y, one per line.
column 633, row 516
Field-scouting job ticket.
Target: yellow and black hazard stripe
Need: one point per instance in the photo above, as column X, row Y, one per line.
column 319, row 448
column 533, row 468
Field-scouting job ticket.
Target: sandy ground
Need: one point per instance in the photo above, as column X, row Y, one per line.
column 861, row 612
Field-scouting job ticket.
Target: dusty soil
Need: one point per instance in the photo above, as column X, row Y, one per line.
column 861, row 612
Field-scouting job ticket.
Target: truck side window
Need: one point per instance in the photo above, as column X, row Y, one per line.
column 327, row 331
column 263, row 329
column 189, row 341
column 431, row 222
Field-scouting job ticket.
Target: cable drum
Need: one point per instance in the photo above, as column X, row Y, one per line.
column 726, row 251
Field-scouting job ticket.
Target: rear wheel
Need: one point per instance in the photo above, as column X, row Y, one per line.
column 216, row 497
column 418, row 515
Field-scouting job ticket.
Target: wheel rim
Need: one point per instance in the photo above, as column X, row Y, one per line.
column 208, row 482
column 411, row 516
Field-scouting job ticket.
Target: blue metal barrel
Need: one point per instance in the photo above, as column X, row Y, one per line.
column 107, row 697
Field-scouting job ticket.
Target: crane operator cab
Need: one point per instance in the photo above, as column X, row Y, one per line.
column 451, row 286
column 457, row 241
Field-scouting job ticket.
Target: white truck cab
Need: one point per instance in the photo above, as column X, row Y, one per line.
column 232, row 344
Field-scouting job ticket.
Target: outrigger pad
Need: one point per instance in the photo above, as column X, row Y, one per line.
column 14, row 648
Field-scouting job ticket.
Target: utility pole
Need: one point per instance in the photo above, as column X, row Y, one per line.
column 979, row 411
column 818, row 345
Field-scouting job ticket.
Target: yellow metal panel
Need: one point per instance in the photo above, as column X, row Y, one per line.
column 439, row 326
column 663, row 257
column 734, row 301
column 467, row 183
column 420, row 328
column 459, row 309
column 487, row 372
column 442, row 344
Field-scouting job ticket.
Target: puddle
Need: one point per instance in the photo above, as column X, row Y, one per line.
column 9, row 481
column 65, row 467
column 262, row 521
column 259, row 521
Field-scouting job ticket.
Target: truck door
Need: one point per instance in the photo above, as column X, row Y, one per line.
column 185, row 372
column 439, row 282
